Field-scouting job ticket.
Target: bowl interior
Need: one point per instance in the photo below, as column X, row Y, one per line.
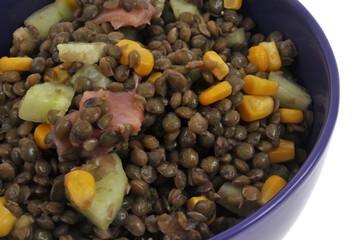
column 315, row 68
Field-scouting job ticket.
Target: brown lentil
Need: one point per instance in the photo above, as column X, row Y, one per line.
column 139, row 157
column 244, row 151
column 210, row 164
column 105, row 121
column 167, row 169
column 146, row 89
column 171, row 122
column 155, row 106
column 135, row 225
column 10, row 77
column 150, row 142
column 108, row 138
column 7, row 172
column 188, row 158
column 253, row 138
column 198, row 124
column 81, row 131
column 62, row 127
column 121, row 73
column 250, row 193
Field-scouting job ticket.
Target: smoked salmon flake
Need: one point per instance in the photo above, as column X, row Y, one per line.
column 120, row 18
column 124, row 109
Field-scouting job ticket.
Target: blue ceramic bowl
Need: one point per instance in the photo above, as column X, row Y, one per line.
column 316, row 70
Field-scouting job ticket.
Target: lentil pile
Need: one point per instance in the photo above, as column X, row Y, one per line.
column 188, row 102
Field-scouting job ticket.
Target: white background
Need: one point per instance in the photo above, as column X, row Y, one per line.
column 334, row 209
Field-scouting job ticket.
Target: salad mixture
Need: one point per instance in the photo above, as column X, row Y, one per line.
column 145, row 119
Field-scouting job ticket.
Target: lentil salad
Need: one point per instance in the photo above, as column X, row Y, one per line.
column 207, row 132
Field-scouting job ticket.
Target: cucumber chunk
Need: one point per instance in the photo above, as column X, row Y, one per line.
column 235, row 37
column 64, row 9
column 229, row 190
column 111, row 182
column 160, row 4
column 49, row 15
column 180, row 6
column 91, row 72
column 88, row 53
column 41, row 98
column 290, row 94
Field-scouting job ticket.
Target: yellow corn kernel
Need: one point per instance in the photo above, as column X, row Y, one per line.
column 291, row 115
column 127, row 46
column 3, row 200
column 40, row 132
column 154, row 76
column 274, row 59
column 146, row 63
column 15, row 64
column 192, row 203
column 270, row 188
column 56, row 75
column 81, row 187
column 258, row 55
column 232, row 4
column 253, row 108
column 215, row 93
column 259, row 86
column 283, row 153
column 7, row 220
column 220, row 71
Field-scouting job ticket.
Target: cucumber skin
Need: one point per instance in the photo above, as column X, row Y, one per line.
column 41, row 98
column 290, row 94
column 108, row 199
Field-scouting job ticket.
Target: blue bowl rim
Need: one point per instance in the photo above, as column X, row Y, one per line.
column 322, row 141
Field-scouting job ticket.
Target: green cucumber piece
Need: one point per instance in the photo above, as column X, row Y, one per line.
column 88, row 53
column 64, row 9
column 91, row 72
column 180, row 6
column 290, row 94
column 44, row 18
column 49, row 15
column 229, row 190
column 235, row 37
column 110, row 189
column 160, row 4
column 41, row 98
